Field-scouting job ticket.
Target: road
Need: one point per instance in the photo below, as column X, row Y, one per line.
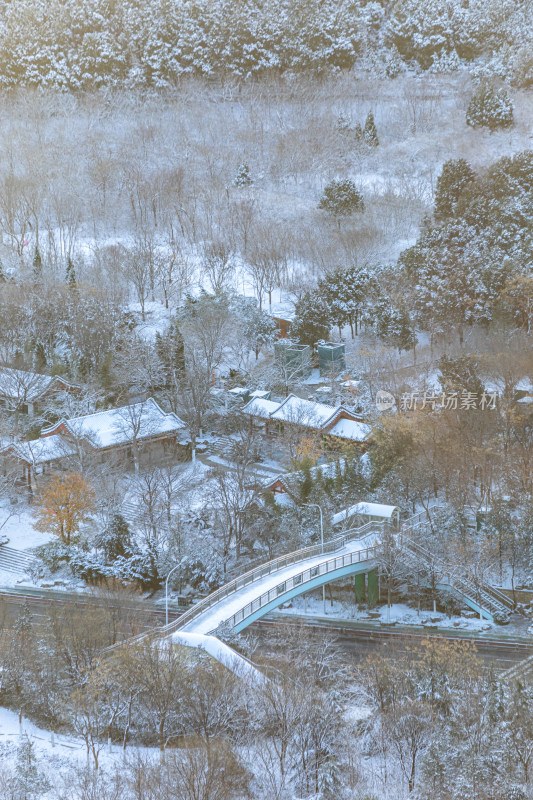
column 133, row 614
column 356, row 639
column 359, row 641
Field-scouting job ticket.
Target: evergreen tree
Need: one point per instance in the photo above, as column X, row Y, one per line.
column 358, row 132
column 29, row 783
column 490, row 108
column 115, row 540
column 170, row 348
column 451, row 183
column 370, row 133
column 394, row 325
column 341, row 199
column 40, row 362
column 306, row 482
column 37, row 265
column 70, row 274
column 243, row 177
column 310, row 322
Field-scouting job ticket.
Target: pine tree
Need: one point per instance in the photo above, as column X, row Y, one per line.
column 370, row 133
column 456, row 175
column 40, row 362
column 243, row 177
column 341, row 199
column 490, row 108
column 170, row 348
column 358, row 133
column 29, row 782
column 115, row 540
column 70, row 276
column 37, row 265
column 310, row 323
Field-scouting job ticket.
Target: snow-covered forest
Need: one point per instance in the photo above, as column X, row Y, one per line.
column 266, row 291
column 65, row 44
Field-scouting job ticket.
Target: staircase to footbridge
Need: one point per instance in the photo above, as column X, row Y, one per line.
column 249, row 597
column 252, row 595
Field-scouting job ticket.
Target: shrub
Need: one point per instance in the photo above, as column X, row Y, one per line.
column 490, row 108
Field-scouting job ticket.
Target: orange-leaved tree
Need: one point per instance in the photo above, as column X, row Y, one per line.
column 66, row 502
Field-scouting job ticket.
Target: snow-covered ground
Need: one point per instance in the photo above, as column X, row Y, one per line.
column 399, row 613
column 16, row 522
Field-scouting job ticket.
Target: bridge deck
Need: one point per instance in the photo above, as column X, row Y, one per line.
column 226, row 608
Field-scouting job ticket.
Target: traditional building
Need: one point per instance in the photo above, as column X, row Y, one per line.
column 138, row 433
column 332, row 423
column 24, row 392
column 127, row 430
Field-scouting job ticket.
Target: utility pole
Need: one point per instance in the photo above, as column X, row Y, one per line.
column 315, row 505
column 166, row 591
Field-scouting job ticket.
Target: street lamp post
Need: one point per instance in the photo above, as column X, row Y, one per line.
column 315, row 505
column 166, row 591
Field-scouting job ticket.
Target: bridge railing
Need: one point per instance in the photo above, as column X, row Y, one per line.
column 370, row 529
column 490, row 596
column 269, row 567
column 303, row 577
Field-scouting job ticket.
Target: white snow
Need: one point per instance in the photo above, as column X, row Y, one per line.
column 116, row 426
column 259, row 407
column 284, row 309
column 367, row 509
column 524, row 385
column 16, row 522
column 303, row 412
column 221, row 652
column 400, row 614
column 351, row 429
column 21, row 385
column 41, row 451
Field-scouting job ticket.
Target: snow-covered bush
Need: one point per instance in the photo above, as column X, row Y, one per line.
column 341, row 198
column 243, row 177
column 490, row 108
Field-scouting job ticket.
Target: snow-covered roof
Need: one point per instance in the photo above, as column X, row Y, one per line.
column 118, row 426
column 259, row 407
column 282, row 310
column 261, row 394
column 366, row 509
column 238, row 390
column 310, row 414
column 350, row 384
column 304, row 412
column 524, row 385
column 351, row 429
column 41, row 451
column 19, row 384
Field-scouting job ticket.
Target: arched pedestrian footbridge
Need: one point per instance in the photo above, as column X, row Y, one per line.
column 248, row 598
column 254, row 594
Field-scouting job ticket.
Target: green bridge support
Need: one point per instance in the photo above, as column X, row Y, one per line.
column 359, row 587
column 373, row 587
